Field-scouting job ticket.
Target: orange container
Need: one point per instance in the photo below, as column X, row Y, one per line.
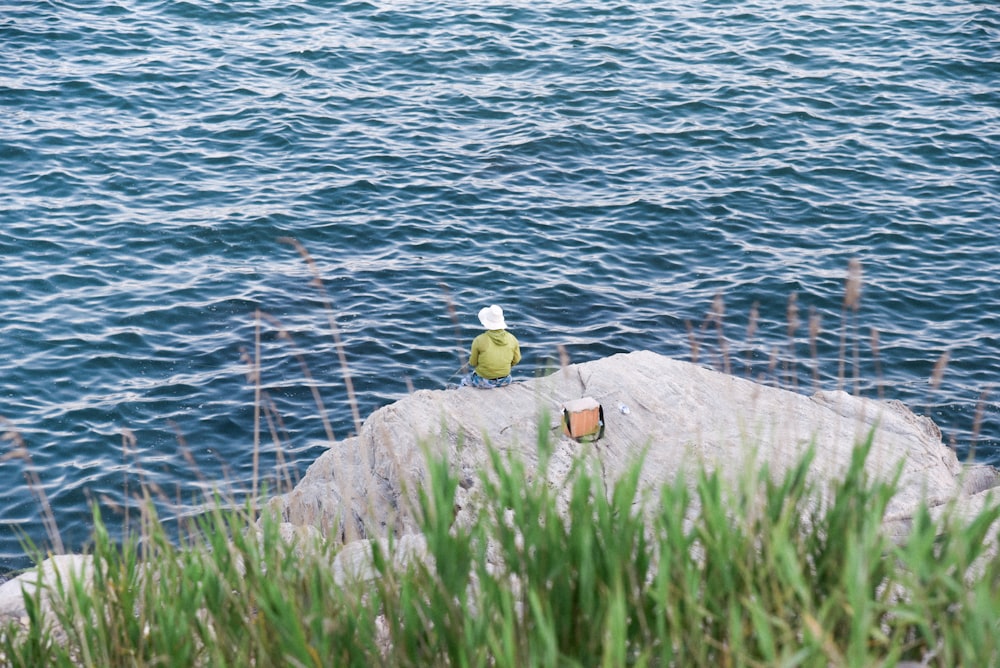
column 583, row 419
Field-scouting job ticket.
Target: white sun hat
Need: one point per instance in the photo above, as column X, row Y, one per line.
column 492, row 317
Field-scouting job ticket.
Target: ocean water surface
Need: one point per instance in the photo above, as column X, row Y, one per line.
column 617, row 175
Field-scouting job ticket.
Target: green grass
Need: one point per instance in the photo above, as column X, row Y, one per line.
column 697, row 573
column 758, row 576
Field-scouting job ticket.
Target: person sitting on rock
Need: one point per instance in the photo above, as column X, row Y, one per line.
column 493, row 352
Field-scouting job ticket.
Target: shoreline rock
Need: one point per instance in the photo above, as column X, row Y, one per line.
column 677, row 415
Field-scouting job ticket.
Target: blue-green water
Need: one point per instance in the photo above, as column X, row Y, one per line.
column 601, row 169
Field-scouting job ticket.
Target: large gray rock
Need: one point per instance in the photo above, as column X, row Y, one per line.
column 53, row 574
column 679, row 415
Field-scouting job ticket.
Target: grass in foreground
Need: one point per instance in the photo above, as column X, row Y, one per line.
column 772, row 584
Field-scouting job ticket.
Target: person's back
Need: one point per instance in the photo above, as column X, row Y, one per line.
column 493, row 352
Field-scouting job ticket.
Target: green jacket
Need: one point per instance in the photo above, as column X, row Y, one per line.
column 494, row 352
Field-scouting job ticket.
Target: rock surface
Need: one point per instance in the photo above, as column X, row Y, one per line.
column 53, row 572
column 678, row 415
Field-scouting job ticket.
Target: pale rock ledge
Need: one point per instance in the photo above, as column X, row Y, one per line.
column 678, row 414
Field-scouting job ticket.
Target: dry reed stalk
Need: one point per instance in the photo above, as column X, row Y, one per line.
column 879, row 381
column 129, row 448
column 276, row 427
column 977, row 422
column 693, row 341
column 563, row 357
column 853, row 294
column 334, row 329
column 815, row 326
column 146, row 491
column 283, row 334
column 751, row 330
column 183, row 517
column 937, row 375
column 350, row 528
column 792, row 316
column 827, row 642
column 717, row 315
column 185, row 449
column 852, row 300
column 772, row 365
column 256, row 399
column 857, row 360
column 264, row 405
column 21, row 452
column 453, row 314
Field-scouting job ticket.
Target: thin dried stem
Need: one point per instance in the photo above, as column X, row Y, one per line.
column 879, row 381
column 852, row 299
column 717, row 315
column 693, row 341
column 563, row 357
column 20, row 451
column 977, row 422
column 297, row 353
column 853, row 294
column 276, row 427
column 182, row 445
column 772, row 366
column 334, row 329
column 256, row 400
column 453, row 314
column 792, row 313
column 264, row 405
column 351, row 529
column 129, row 443
column 815, row 326
column 751, row 331
column 937, row 375
column 852, row 291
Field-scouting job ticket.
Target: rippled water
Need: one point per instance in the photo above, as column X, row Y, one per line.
column 602, row 169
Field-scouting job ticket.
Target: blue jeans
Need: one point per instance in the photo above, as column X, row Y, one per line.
column 473, row 379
